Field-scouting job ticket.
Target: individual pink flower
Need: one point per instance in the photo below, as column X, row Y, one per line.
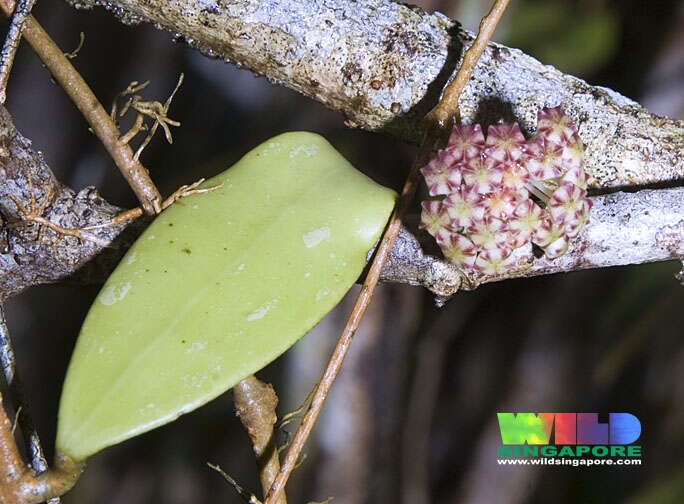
column 514, row 177
column 483, row 175
column 488, row 234
column 554, row 125
column 494, row 262
column 573, row 227
column 527, row 218
column 547, row 232
column 466, row 142
column 577, row 176
column 505, row 142
column 500, row 204
column 457, row 249
column 441, row 175
column 434, row 217
column 557, row 247
column 573, row 153
column 565, row 203
column 544, row 160
column 464, row 207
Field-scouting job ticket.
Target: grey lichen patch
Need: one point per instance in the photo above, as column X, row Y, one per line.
column 671, row 238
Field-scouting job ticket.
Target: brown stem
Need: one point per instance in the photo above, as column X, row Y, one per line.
column 86, row 101
column 12, row 467
column 255, row 404
column 19, row 484
column 448, row 103
column 451, row 96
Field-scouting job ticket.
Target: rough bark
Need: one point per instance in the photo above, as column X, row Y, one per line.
column 30, row 254
column 383, row 65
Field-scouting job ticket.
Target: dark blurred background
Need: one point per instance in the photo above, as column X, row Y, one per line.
column 412, row 418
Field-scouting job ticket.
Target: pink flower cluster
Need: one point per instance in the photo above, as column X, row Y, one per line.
column 502, row 192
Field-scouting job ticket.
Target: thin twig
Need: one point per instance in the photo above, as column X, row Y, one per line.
column 74, row 53
column 447, row 107
column 448, row 103
column 85, row 100
column 9, row 49
column 182, row 192
column 246, row 496
column 16, row 390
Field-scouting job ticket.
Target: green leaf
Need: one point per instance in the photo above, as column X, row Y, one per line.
column 217, row 287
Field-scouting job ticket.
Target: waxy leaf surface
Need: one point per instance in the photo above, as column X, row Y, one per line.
column 217, row 287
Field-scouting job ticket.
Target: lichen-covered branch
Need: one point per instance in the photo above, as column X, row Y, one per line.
column 383, row 64
column 625, row 228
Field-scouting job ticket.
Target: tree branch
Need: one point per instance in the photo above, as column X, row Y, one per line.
column 625, row 228
column 384, row 64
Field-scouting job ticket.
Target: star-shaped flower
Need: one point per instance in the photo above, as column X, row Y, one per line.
column 504, row 142
column 442, row 175
column 434, row 217
column 565, row 204
column 573, row 152
column 554, row 125
column 514, row 177
column 544, row 160
column 483, row 174
column 488, row 234
column 466, row 142
column 526, row 219
column 464, row 207
column 547, row 232
column 494, row 262
column 574, row 226
column 500, row 204
column 457, row 249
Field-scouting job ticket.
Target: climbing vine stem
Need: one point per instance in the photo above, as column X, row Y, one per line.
column 438, row 118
